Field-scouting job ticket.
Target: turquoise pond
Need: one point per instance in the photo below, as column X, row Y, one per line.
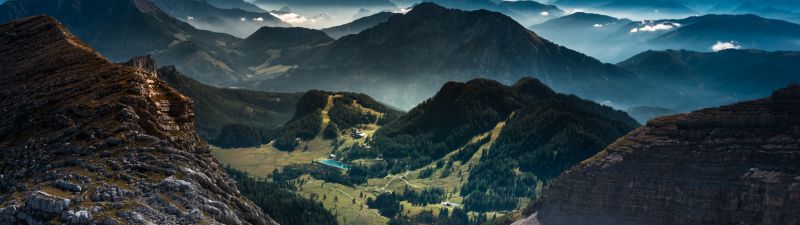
column 334, row 163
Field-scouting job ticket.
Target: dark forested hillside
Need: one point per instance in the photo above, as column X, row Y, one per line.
column 544, row 133
column 231, row 117
column 280, row 199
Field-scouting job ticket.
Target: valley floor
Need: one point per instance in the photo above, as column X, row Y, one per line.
column 348, row 204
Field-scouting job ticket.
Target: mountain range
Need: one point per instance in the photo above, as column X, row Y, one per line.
column 524, row 12
column 400, row 61
column 715, row 78
column 123, row 29
column 205, row 16
column 235, row 4
column 89, row 141
column 126, row 28
column 698, row 33
column 358, row 25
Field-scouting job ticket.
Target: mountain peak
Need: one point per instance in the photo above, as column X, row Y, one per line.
column 533, row 87
column 147, row 63
column 427, row 8
column 284, row 37
column 40, row 31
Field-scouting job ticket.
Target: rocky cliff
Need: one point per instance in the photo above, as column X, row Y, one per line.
column 736, row 164
column 85, row 141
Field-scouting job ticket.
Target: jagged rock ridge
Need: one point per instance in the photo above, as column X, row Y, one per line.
column 736, row 164
column 88, row 141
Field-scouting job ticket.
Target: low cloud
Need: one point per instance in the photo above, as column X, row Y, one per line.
column 259, row 19
column 598, row 25
column 719, row 46
column 292, row 18
column 404, row 10
column 656, row 27
column 572, row 11
column 544, row 13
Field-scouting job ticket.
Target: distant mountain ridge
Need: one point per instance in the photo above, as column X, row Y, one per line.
column 717, row 77
column 696, row 33
column 138, row 27
column 358, row 25
column 148, row 29
column 407, row 50
column 235, row 4
column 525, row 12
column 205, row 16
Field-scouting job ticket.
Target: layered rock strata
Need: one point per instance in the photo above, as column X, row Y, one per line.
column 86, row 141
column 736, row 164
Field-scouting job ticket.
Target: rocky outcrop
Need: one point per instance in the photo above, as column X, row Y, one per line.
column 736, row 164
column 86, row 141
column 147, row 63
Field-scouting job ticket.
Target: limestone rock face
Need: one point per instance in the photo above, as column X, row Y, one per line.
column 86, row 141
column 736, row 164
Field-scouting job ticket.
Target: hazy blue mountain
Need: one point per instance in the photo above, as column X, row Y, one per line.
column 581, row 31
column 530, row 12
column 644, row 113
column 525, row 12
column 580, row 3
column 748, row 31
column 727, row 6
column 235, row 4
column 697, row 33
column 358, row 25
column 326, row 3
column 136, row 27
column 264, row 44
column 202, row 15
column 667, row 7
column 323, row 13
column 403, row 60
column 716, row 78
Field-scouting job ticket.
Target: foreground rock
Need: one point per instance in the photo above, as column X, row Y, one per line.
column 86, row 141
column 737, row 164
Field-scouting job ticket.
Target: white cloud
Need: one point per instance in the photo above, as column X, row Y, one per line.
column 190, row 18
column 598, row 25
column 719, row 46
column 243, row 19
column 404, row 10
column 544, row 13
column 292, row 18
column 259, row 19
column 571, row 11
column 656, row 27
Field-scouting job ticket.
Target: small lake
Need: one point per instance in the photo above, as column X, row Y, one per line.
column 334, row 163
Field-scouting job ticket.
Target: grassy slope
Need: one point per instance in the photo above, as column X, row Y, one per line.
column 263, row 160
